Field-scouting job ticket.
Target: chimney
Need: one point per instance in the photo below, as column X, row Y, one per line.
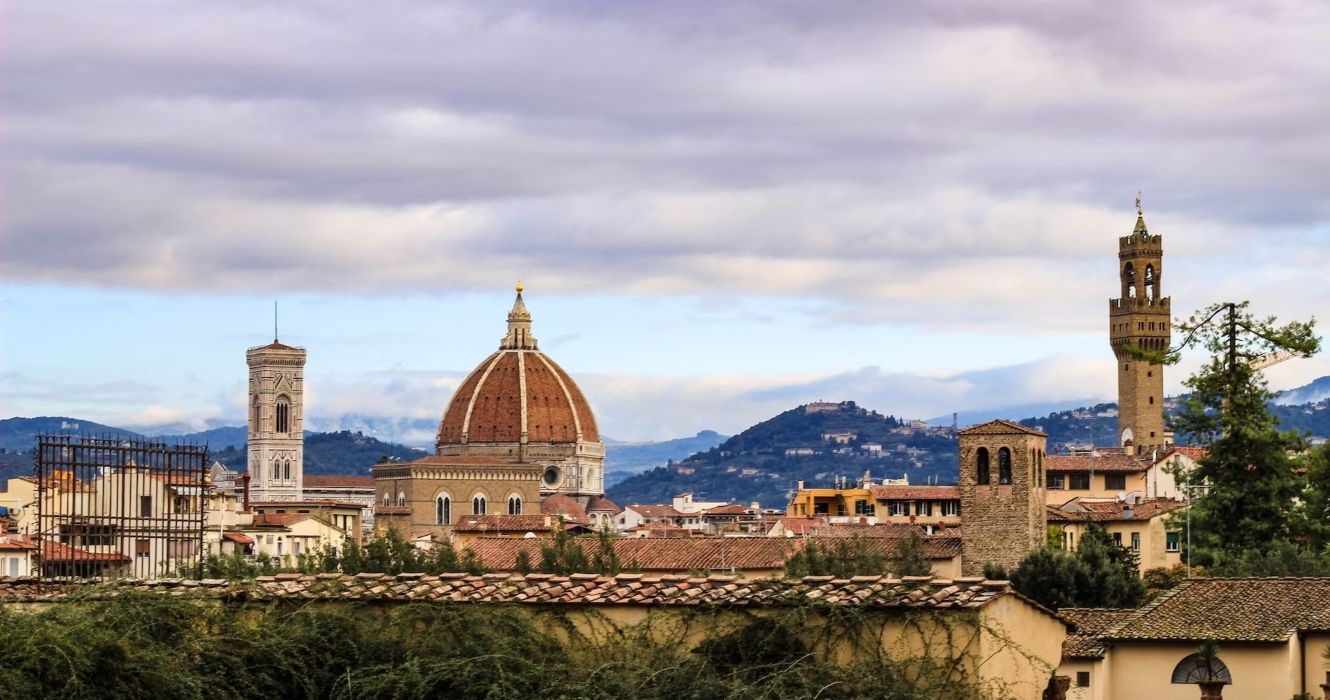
column 244, row 481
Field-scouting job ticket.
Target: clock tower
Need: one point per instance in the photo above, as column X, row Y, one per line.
column 276, row 421
column 1139, row 319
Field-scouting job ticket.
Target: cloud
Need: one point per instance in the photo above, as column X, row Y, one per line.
column 962, row 162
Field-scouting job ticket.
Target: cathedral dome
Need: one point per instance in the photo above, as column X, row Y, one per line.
column 518, row 392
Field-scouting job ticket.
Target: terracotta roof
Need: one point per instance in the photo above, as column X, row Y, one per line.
column 238, row 538
column 563, row 504
column 601, row 503
column 518, row 391
column 1231, row 610
column 655, row 511
column 999, row 426
column 322, row 481
column 888, row 530
column 507, row 523
column 1078, row 510
column 55, row 551
column 1100, row 463
column 16, row 545
column 654, row 554
column 799, row 526
column 935, row 547
column 545, row 589
column 915, row 493
column 279, row 519
column 1089, row 625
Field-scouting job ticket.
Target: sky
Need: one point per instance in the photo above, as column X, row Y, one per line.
column 719, row 210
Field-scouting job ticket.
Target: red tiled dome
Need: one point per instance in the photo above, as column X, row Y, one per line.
column 518, row 390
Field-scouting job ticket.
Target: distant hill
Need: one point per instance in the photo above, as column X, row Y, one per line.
column 624, row 459
column 763, row 462
column 1315, row 392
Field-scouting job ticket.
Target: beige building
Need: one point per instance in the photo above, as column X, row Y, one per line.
column 1112, row 473
column 1271, row 633
column 1152, row 529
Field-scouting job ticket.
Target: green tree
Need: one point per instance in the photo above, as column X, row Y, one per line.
column 1099, row 574
column 1251, row 482
column 908, row 559
column 841, row 557
column 1313, row 512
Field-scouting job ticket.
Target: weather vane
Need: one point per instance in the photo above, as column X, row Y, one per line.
column 1139, row 212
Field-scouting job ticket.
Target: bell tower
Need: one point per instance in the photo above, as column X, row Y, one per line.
column 276, row 441
column 1139, row 318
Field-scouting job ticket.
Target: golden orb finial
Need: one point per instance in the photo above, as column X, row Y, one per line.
column 520, row 287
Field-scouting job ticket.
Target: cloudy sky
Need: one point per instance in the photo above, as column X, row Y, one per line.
column 720, row 210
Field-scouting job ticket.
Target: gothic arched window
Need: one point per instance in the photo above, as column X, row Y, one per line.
column 1129, row 280
column 283, row 414
column 254, row 414
column 514, row 505
column 1004, row 466
column 387, row 500
column 401, row 499
column 443, row 510
column 478, row 505
column 981, row 466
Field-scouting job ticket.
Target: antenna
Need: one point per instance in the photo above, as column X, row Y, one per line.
column 274, row 320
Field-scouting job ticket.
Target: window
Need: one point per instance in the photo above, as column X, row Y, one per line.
column 443, row 510
column 1004, row 466
column 981, row 466
column 1135, row 541
column 387, row 500
column 901, row 508
column 1115, row 482
column 1057, row 481
column 820, row 509
column 182, row 504
column 923, row 507
column 286, row 470
column 142, row 548
column 1079, row 482
column 1117, row 538
column 514, row 505
column 401, row 499
column 1082, row 679
column 951, row 507
column 283, row 414
column 1173, row 541
column 862, row 507
column 254, row 414
column 145, row 506
column 478, row 505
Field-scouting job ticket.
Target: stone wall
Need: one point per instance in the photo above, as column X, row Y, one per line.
column 1002, row 522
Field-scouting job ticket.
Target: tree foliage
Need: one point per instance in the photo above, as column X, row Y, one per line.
column 1251, row 484
column 1099, row 574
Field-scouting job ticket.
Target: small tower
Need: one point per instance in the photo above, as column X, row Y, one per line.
column 276, row 421
column 1139, row 318
column 1002, row 494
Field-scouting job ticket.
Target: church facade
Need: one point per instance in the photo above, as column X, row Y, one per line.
column 517, row 429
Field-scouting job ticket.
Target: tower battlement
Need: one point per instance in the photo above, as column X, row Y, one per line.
column 1140, row 318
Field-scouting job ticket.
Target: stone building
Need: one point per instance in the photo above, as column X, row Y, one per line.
column 276, row 421
column 1139, row 319
column 1002, row 494
column 517, row 428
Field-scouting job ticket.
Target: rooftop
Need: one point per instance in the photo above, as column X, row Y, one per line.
column 1079, row 510
column 1102, row 462
column 1089, row 625
column 915, row 493
column 1231, row 610
column 998, row 426
column 577, row 589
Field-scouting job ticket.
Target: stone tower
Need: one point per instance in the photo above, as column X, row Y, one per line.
column 276, row 421
column 1002, row 494
column 1139, row 318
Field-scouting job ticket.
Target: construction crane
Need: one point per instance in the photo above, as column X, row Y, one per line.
column 1259, row 363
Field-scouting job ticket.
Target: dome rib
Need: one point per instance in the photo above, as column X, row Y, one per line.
column 471, row 405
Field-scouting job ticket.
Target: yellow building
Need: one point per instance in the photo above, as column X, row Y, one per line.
column 1151, row 528
column 873, row 504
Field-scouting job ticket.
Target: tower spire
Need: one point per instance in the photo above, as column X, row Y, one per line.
column 519, row 326
column 1140, row 218
column 274, row 320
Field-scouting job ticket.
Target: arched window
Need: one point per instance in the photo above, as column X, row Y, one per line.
column 981, row 466
column 401, row 499
column 286, row 470
column 1200, row 668
column 1004, row 466
column 254, row 414
column 1129, row 281
column 387, row 500
column 478, row 505
column 514, row 505
column 283, row 414
column 443, row 510
column 1150, row 282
